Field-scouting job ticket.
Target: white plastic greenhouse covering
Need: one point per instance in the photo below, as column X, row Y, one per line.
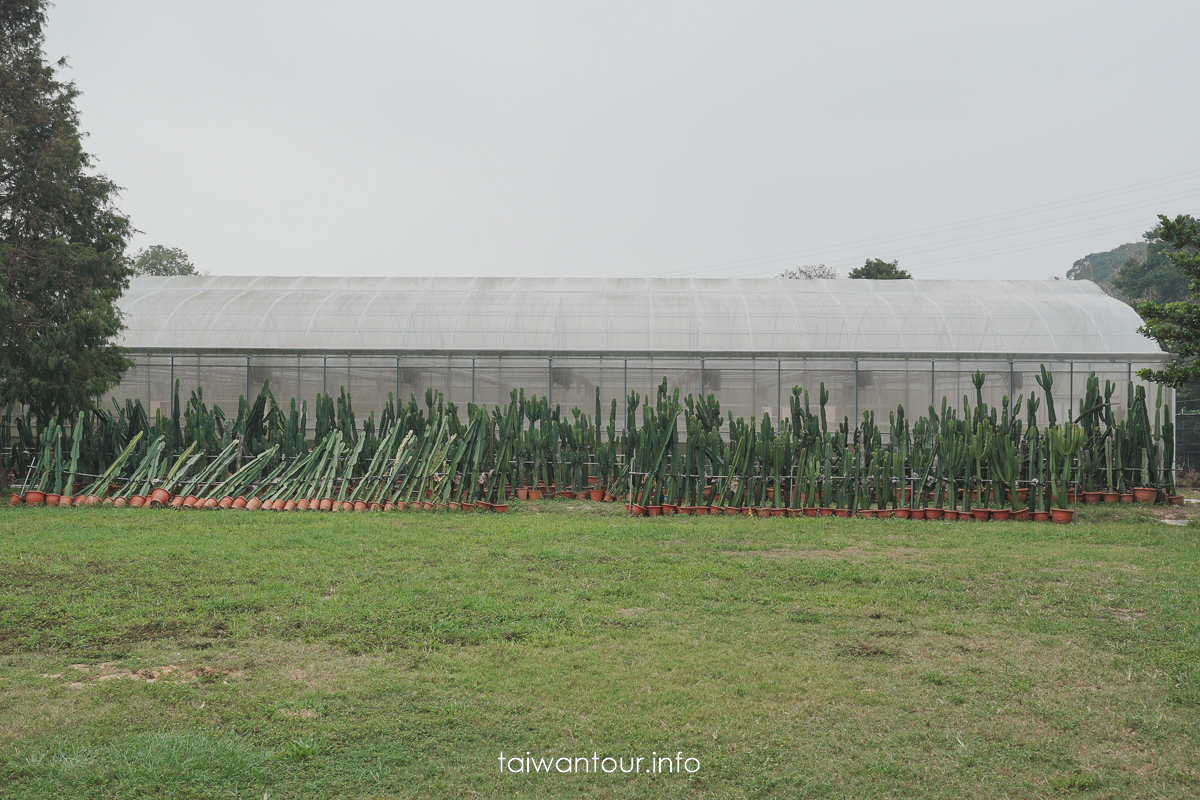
column 629, row 316
column 872, row 344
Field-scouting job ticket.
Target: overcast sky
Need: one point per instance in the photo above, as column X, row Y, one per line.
column 376, row 137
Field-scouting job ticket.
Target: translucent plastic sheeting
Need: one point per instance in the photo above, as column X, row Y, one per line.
column 628, row 316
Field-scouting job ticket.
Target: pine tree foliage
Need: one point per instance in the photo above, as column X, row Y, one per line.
column 61, row 236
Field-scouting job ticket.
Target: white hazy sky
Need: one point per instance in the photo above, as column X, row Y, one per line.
column 379, row 137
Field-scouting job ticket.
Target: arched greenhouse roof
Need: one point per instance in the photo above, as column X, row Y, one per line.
column 630, row 316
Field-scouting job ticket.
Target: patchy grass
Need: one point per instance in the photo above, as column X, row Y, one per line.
column 167, row 654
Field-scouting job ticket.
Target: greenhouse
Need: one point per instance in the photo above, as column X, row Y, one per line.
column 873, row 344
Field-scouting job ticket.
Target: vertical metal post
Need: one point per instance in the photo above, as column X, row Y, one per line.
column 1071, row 404
column 472, row 380
column 625, row 395
column 174, row 410
column 324, row 374
column 933, row 383
column 1011, row 383
column 397, row 380
column 550, row 368
column 702, row 377
column 856, row 391
column 778, row 390
column 247, row 379
column 1174, row 434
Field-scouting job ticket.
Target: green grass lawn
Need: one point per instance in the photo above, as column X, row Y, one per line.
column 237, row 654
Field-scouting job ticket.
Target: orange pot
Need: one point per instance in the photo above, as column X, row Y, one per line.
column 120, row 502
column 326, row 504
column 160, row 497
column 1061, row 515
column 302, row 505
column 499, row 508
column 177, row 501
column 225, row 502
column 51, row 499
column 210, row 503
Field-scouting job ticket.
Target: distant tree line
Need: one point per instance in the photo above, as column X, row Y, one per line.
column 875, row 269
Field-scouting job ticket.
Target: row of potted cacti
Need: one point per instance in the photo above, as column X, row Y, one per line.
column 950, row 463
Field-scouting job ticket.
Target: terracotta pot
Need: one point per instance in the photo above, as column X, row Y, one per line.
column 669, row 508
column 326, row 504
column 253, row 504
column 748, row 511
column 1111, row 497
column 535, row 494
column 225, row 502
column 795, row 512
column 499, row 508
column 302, row 505
column 210, row 502
column 608, row 498
column 1022, row 515
column 654, row 511
column 935, row 513
column 567, row 495
column 120, row 502
column 903, row 513
column 637, row 510
column 1091, row 498
column 401, row 506
column 361, row 505
column 841, row 512
column 160, row 496
column 1001, row 514
column 177, row 501
column 883, row 513
column 762, row 511
column 916, row 513
column 981, row 514
column 866, row 513
column 1175, row 499
column 455, row 506
column 108, row 501
column 51, row 499
column 596, row 494
column 15, row 501
column 777, row 512
column 376, row 506
column 189, row 501
column 810, row 512
column 427, row 506
column 522, row 493
column 1041, row 516
column 700, row 511
column 64, row 500
column 1127, row 497
column 1061, row 515
column 389, row 505
column 1145, row 494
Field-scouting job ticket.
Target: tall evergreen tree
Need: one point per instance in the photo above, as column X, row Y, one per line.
column 61, row 236
column 1176, row 326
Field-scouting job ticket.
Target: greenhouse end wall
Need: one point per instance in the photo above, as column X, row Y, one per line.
column 745, row 387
